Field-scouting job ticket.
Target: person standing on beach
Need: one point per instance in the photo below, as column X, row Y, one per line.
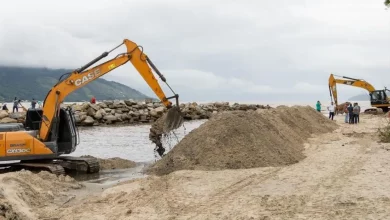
column 346, row 113
column 356, row 113
column 331, row 109
column 350, row 113
column 318, row 106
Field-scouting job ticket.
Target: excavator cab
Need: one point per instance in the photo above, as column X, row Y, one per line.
column 378, row 97
column 65, row 140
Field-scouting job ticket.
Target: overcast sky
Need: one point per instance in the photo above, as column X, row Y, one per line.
column 262, row 50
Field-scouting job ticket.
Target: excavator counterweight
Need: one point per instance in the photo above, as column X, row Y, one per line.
column 50, row 132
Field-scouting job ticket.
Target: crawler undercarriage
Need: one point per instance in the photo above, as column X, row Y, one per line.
column 59, row 165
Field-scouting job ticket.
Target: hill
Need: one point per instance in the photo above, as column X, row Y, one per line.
column 361, row 97
column 27, row 83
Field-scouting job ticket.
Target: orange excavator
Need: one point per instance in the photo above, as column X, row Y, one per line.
column 50, row 131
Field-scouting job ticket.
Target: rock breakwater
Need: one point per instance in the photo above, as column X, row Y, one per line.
column 132, row 112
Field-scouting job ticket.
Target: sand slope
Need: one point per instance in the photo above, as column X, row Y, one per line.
column 346, row 175
column 25, row 195
column 235, row 140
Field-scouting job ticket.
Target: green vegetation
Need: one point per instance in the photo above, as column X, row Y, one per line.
column 27, row 83
column 384, row 133
column 387, row 3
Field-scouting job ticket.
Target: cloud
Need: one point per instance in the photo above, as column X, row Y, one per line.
column 250, row 49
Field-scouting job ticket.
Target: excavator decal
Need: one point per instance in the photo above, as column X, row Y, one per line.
column 84, row 79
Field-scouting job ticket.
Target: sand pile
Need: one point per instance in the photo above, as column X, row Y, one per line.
column 234, row 140
column 25, row 195
column 113, row 163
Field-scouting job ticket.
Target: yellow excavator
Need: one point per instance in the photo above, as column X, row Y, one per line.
column 50, row 131
column 378, row 98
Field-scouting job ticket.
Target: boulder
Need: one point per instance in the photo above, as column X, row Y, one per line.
column 125, row 109
column 135, row 114
column 94, row 107
column 156, row 105
column 77, row 118
column 195, row 117
column 82, row 113
column 107, row 103
column 83, row 117
column 89, row 121
column 102, row 105
column 153, row 113
column 150, row 105
column 3, row 114
column 143, row 118
column 8, row 120
column 91, row 112
column 98, row 115
column 107, row 110
column 118, row 104
column 130, row 102
column 125, row 117
column 111, row 118
column 77, row 108
column 17, row 115
column 85, row 106
column 160, row 109
column 243, row 107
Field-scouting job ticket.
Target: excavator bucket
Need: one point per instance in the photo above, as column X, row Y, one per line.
column 173, row 120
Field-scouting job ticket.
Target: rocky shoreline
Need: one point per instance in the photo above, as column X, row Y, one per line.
column 132, row 112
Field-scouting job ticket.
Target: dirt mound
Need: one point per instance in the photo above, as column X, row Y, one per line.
column 113, row 163
column 234, row 140
column 25, row 195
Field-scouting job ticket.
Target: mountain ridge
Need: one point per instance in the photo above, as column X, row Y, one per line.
column 35, row 82
column 361, row 97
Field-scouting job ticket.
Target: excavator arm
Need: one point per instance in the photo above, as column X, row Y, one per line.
column 346, row 81
column 83, row 76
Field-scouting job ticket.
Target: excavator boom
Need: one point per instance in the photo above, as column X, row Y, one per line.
column 83, row 76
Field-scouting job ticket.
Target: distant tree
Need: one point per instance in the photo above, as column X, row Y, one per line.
column 387, row 3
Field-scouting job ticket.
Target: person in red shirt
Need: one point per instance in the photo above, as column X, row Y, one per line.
column 93, row 100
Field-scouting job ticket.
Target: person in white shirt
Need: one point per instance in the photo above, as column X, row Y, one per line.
column 331, row 109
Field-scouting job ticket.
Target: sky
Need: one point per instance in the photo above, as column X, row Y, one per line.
column 248, row 50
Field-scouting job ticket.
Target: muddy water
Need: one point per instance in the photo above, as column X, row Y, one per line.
column 128, row 142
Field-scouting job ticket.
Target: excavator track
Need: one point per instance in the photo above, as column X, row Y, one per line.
column 59, row 165
column 33, row 166
column 79, row 164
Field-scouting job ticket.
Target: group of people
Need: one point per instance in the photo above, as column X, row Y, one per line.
column 17, row 104
column 330, row 108
column 352, row 111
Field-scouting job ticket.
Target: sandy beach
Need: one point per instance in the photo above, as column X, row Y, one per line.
column 343, row 176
